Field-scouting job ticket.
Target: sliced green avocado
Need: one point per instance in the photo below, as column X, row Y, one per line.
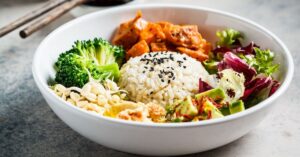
column 216, row 94
column 178, row 119
column 225, row 111
column 209, row 106
column 211, row 66
column 236, row 107
column 187, row 107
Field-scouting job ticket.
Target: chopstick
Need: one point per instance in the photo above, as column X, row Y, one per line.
column 50, row 16
column 29, row 17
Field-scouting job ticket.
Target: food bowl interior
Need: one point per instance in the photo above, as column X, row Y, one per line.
column 104, row 24
column 156, row 138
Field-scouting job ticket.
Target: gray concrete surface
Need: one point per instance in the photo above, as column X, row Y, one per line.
column 28, row 127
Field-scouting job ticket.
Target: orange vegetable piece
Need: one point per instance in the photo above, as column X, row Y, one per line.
column 206, row 46
column 163, row 24
column 128, row 33
column 158, row 46
column 138, row 49
column 183, row 36
column 152, row 33
column 197, row 54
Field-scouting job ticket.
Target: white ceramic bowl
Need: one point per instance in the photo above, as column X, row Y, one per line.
column 157, row 139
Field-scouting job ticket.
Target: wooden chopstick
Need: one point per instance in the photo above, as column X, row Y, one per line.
column 50, row 16
column 30, row 16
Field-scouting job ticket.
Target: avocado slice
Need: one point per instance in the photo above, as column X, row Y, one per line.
column 209, row 106
column 225, row 111
column 236, row 107
column 187, row 107
column 211, row 66
column 217, row 94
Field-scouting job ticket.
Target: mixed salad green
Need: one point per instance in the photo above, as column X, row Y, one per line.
column 244, row 78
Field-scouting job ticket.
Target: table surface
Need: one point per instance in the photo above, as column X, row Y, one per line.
column 28, row 127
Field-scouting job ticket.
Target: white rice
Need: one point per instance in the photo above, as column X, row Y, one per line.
column 149, row 79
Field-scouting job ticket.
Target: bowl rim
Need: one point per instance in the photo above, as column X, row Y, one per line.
column 259, row 106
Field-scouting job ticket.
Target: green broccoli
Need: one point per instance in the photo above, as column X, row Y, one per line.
column 96, row 59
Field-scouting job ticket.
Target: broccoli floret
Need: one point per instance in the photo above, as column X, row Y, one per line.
column 93, row 58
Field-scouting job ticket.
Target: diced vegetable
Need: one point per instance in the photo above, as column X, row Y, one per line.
column 211, row 110
column 217, row 94
column 225, row 111
column 211, row 66
column 184, row 36
column 197, row 54
column 152, row 33
column 236, row 107
column 158, row 46
column 138, row 49
column 187, row 107
column 128, row 32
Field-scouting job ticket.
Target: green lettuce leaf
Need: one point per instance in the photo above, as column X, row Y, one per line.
column 262, row 61
column 229, row 37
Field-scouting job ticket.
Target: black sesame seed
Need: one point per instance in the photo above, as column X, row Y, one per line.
column 184, row 67
column 169, row 81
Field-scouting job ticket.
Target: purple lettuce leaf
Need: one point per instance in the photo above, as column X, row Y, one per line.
column 249, row 49
column 275, row 85
column 256, row 85
column 232, row 61
column 203, row 86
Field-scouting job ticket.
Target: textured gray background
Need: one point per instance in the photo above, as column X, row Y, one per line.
column 28, row 127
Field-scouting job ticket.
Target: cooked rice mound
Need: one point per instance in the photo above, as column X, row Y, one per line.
column 162, row 77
